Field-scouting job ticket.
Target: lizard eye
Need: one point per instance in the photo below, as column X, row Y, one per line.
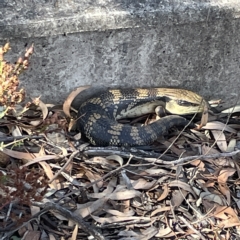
column 185, row 103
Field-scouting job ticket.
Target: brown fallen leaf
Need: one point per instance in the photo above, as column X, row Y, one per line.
column 165, row 192
column 67, row 103
column 124, row 194
column 92, row 178
column 87, row 209
column 228, row 215
column 204, row 118
column 159, row 210
column 20, row 155
column 49, row 174
column 32, row 235
column 225, row 191
column 118, row 219
column 183, row 185
column 115, row 158
column 75, row 232
column 42, row 106
column 224, row 174
column 178, row 196
column 142, row 183
column 118, row 213
column 215, row 125
column 149, row 233
column 130, row 233
column 214, row 198
column 198, row 163
column 173, row 148
column 206, row 150
column 220, row 139
column 231, row 145
column 39, row 159
column 162, row 232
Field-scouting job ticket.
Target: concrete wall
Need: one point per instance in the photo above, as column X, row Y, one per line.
column 193, row 44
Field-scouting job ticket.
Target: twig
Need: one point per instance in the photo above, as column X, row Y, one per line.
column 192, row 228
column 190, row 158
column 64, row 167
column 23, row 137
column 124, row 224
column 136, row 154
column 93, row 151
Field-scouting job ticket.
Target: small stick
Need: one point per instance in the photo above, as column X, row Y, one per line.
column 25, row 137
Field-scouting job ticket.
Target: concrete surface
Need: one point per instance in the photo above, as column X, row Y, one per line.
column 193, row 44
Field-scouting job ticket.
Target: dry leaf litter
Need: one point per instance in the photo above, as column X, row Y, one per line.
column 54, row 185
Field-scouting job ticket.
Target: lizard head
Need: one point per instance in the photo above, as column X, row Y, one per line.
column 183, row 102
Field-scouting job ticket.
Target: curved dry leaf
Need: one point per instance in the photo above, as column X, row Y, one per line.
column 115, row 158
column 237, row 201
column 149, row 233
column 215, row 125
column 103, row 162
column 225, row 191
column 191, row 136
column 34, row 210
column 142, row 183
column 178, row 196
column 197, row 190
column 160, row 209
column 224, row 174
column 163, row 232
column 170, row 146
column 183, row 185
column 121, row 214
column 228, row 215
column 130, row 233
column 35, row 123
column 72, row 124
column 87, row 209
column 42, row 106
column 173, row 234
column 75, row 232
column 206, row 150
column 232, row 110
column 94, row 177
column 201, row 135
column 124, row 195
column 156, row 171
column 113, row 219
column 67, row 103
column 126, row 179
column 165, row 192
column 223, row 212
column 234, row 126
column 212, row 198
column 16, row 131
column 231, row 145
column 111, row 185
column 39, row 159
column 204, row 118
column 199, row 164
column 70, row 179
column 97, row 195
column 20, row 155
column 49, row 174
column 220, row 139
